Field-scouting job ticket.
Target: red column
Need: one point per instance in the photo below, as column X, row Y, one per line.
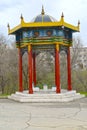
column 57, row 69
column 20, row 71
column 34, row 69
column 69, row 70
column 30, row 69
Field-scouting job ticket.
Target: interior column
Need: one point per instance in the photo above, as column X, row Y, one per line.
column 20, row 71
column 34, row 68
column 57, row 69
column 69, row 70
column 30, row 68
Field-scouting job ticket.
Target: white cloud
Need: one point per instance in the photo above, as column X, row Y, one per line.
column 74, row 10
column 6, row 4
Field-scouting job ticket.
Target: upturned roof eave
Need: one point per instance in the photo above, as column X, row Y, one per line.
column 43, row 24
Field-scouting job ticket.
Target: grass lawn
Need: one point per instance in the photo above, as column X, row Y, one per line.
column 3, row 95
column 85, row 93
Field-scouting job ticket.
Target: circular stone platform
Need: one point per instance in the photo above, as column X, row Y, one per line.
column 46, row 96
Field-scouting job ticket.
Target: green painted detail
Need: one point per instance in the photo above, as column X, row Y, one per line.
column 38, row 41
column 17, row 44
column 44, row 40
column 66, row 41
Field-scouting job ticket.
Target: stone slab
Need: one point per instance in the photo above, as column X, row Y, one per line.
column 64, row 96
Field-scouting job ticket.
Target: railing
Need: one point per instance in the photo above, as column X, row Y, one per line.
column 48, row 40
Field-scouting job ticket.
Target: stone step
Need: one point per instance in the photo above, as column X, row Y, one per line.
column 65, row 96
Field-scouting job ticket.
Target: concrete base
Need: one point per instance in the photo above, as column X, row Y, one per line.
column 46, row 96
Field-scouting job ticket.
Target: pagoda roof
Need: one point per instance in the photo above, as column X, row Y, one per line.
column 43, row 20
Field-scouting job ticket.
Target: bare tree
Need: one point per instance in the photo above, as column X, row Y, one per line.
column 3, row 52
column 25, row 71
column 79, row 75
column 45, row 68
column 63, row 69
column 77, row 45
column 8, row 65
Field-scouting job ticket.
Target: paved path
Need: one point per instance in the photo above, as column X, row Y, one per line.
column 43, row 116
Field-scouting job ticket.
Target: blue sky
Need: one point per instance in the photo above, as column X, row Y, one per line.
column 74, row 10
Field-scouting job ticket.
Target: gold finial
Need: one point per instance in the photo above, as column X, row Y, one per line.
column 62, row 19
column 78, row 22
column 42, row 10
column 21, row 16
column 22, row 19
column 8, row 28
column 62, row 15
column 78, row 25
column 8, row 25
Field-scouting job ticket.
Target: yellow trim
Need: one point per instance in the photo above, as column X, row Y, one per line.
column 36, row 44
column 43, row 24
column 15, row 29
column 57, row 47
column 24, row 45
column 29, row 47
column 22, row 20
column 78, row 28
column 43, row 43
column 62, row 43
column 62, row 20
column 75, row 28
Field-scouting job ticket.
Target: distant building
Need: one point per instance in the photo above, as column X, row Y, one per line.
column 80, row 61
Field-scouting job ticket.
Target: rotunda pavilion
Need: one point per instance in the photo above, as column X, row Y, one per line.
column 43, row 32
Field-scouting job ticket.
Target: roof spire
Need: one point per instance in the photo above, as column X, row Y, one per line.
column 62, row 15
column 78, row 22
column 62, row 19
column 42, row 10
column 22, row 19
column 8, row 28
column 8, row 25
column 78, row 25
column 21, row 16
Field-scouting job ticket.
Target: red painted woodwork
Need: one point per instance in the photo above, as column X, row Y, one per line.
column 57, row 70
column 30, row 69
column 34, row 69
column 69, row 70
column 20, row 71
